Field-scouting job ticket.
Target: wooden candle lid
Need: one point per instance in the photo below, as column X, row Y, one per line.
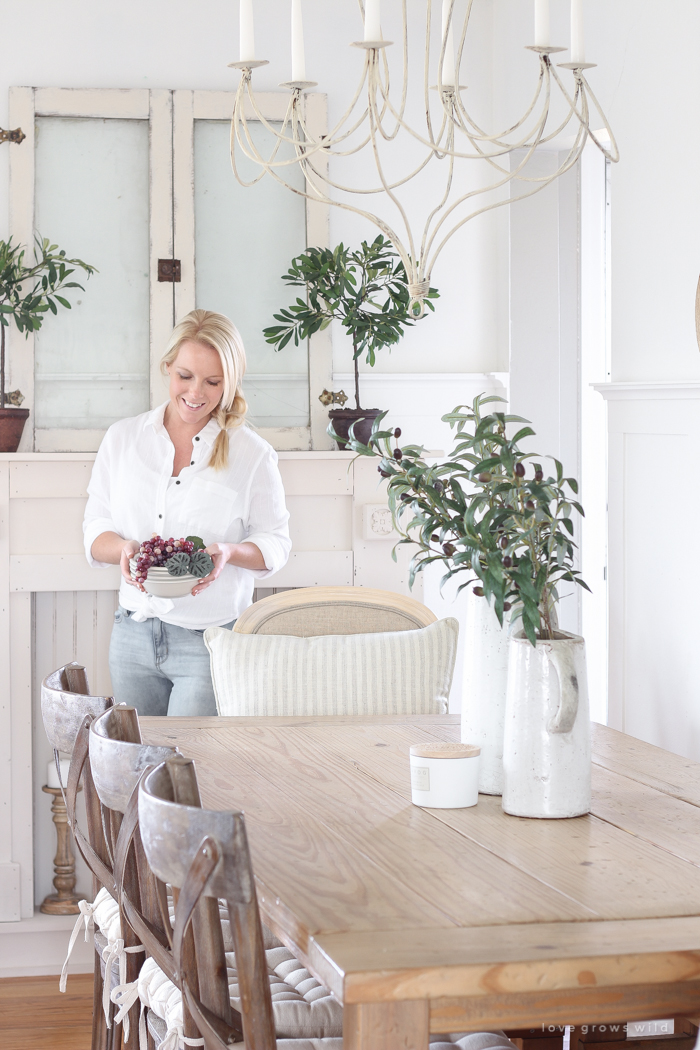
column 444, row 749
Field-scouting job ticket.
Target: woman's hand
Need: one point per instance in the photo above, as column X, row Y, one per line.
column 129, row 549
column 246, row 555
column 220, row 554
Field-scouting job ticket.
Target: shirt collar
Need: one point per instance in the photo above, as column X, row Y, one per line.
column 207, row 434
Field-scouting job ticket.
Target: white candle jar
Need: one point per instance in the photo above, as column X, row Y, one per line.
column 445, row 775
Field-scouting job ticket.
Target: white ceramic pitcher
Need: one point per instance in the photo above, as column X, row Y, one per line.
column 547, row 740
column 484, row 682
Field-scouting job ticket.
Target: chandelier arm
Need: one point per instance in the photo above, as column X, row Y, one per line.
column 445, row 198
column 374, row 189
column 582, row 86
column 256, row 156
column 500, row 136
column 426, row 75
column 541, row 181
column 499, row 204
column 392, row 196
column 613, row 154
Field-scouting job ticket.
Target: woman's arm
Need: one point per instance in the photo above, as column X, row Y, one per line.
column 245, row 555
column 113, row 549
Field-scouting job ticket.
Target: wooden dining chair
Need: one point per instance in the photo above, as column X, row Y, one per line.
column 118, row 758
column 67, row 709
column 312, row 611
column 204, row 854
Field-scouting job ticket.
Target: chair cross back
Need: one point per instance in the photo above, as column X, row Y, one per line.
column 205, row 854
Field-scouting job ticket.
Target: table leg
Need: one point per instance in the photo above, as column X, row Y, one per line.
column 386, row 1026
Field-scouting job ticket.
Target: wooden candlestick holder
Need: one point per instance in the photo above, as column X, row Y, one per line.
column 64, row 901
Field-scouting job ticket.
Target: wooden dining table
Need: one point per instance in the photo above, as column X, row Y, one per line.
column 424, row 921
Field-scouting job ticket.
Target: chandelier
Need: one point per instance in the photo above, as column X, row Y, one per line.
column 562, row 109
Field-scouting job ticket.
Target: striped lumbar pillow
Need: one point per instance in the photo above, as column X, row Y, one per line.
column 395, row 673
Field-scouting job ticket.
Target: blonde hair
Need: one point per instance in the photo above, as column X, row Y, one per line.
column 221, row 334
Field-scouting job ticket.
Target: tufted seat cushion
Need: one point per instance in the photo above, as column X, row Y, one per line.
column 301, row 1006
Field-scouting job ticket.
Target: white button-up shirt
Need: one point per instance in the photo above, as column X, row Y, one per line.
column 132, row 492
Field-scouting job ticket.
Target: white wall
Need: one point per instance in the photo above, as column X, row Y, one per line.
column 648, row 83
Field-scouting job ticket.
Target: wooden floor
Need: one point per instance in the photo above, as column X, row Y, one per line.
column 34, row 1015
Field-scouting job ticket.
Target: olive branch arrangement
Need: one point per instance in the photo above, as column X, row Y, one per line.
column 28, row 292
column 366, row 290
column 480, row 512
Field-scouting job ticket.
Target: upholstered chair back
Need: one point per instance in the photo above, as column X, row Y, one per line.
column 311, row 611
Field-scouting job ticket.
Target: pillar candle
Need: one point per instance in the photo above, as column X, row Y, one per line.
column 541, row 23
column 247, row 34
column 298, row 59
column 52, row 775
column 373, row 29
column 578, row 51
column 448, row 66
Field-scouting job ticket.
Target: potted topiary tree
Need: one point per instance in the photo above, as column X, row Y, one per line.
column 490, row 512
column 367, row 291
column 27, row 293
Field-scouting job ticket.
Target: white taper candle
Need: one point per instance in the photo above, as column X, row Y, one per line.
column 52, row 774
column 373, row 27
column 542, row 23
column 298, row 58
column 247, row 33
column 448, row 66
column 578, row 50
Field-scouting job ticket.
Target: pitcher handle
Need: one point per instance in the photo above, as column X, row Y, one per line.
column 562, row 660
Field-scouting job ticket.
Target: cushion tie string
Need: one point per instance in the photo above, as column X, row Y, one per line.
column 112, row 952
column 175, row 1040
column 86, row 915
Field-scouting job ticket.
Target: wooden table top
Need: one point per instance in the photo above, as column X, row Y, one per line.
column 386, row 901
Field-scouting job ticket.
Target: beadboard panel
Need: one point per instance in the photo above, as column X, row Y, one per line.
column 66, row 625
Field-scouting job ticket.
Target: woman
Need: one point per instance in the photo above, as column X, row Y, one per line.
column 188, row 468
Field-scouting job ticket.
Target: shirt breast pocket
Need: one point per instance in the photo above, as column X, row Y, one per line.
column 210, row 510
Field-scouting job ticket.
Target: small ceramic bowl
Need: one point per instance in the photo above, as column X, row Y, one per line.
column 161, row 584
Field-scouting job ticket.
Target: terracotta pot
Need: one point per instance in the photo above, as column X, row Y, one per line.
column 547, row 743
column 12, row 422
column 363, row 418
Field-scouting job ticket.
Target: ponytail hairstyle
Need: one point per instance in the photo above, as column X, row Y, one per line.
column 216, row 331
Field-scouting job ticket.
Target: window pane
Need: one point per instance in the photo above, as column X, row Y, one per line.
column 92, row 362
column 245, row 239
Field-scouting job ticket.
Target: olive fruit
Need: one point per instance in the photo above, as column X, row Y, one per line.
column 538, row 475
column 398, row 455
column 383, row 473
column 449, row 549
column 530, row 505
column 504, row 542
column 485, row 477
column 507, row 561
column 435, row 539
column 479, row 592
column 439, row 487
column 520, row 470
column 507, row 606
column 397, row 432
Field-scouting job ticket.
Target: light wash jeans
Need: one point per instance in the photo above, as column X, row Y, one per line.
column 160, row 669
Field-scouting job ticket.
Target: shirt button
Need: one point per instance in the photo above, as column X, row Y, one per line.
column 196, row 439
column 160, row 515
column 192, row 463
column 177, row 482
